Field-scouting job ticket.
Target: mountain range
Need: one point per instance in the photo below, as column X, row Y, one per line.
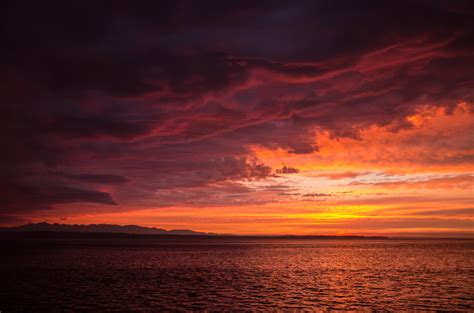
column 100, row 228
column 48, row 229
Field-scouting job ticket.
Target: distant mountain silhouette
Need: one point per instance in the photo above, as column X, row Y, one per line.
column 100, row 228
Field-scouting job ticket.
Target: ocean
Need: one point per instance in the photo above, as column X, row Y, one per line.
column 255, row 274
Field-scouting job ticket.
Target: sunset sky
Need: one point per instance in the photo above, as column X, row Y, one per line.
column 240, row 117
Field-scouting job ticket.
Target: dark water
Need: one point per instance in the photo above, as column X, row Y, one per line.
column 268, row 275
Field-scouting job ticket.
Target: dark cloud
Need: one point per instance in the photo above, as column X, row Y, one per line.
column 6, row 219
column 199, row 173
column 317, row 195
column 28, row 197
column 95, row 126
column 94, row 178
column 287, row 170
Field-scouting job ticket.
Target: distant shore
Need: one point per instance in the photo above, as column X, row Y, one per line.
column 106, row 235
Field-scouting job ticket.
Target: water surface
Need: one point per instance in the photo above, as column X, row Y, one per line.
column 254, row 274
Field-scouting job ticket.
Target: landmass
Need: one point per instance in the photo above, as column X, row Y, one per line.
column 51, row 230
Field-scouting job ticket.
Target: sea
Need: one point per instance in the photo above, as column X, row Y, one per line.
column 239, row 274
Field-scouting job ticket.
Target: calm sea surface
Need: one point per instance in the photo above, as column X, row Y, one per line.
column 169, row 275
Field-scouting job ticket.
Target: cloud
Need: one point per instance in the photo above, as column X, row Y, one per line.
column 278, row 187
column 317, row 195
column 94, row 178
column 467, row 212
column 448, row 182
column 198, row 173
column 287, row 170
column 175, row 95
column 29, row 197
column 74, row 125
column 340, row 175
column 7, row 219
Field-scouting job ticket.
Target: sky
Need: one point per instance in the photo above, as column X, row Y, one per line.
column 240, row 117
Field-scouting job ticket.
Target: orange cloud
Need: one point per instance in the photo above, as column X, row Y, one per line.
column 433, row 140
